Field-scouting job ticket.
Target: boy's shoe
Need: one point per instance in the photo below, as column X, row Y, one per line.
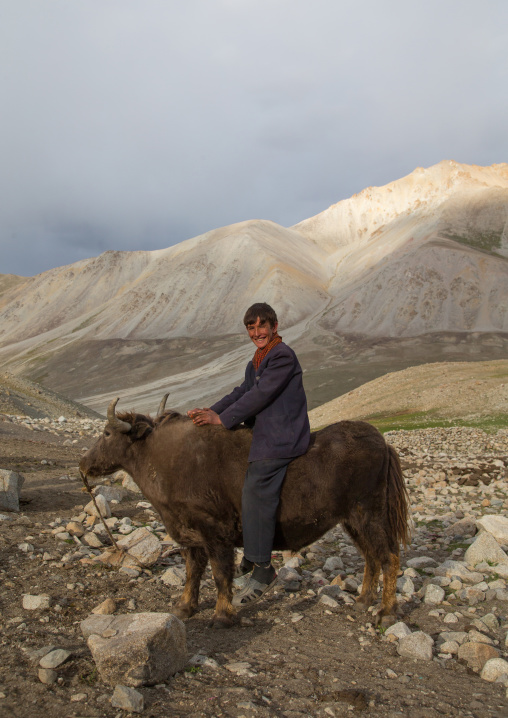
column 243, row 568
column 263, row 578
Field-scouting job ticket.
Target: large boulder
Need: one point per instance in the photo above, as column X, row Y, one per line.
column 136, row 650
column 10, row 489
column 485, row 548
column 495, row 525
column 142, row 545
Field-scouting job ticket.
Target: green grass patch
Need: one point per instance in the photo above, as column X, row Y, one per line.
column 487, row 241
column 409, row 421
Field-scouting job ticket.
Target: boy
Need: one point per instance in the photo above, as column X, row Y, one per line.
column 272, row 401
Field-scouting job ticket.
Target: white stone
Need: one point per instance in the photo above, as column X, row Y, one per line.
column 103, row 507
column 333, row 563
column 494, row 669
column 433, row 594
column 399, row 630
column 34, row 603
column 174, row 576
column 142, row 545
column 495, row 525
column 328, row 601
column 451, row 647
column 421, row 562
column 129, row 699
column 485, row 548
column 110, row 493
column 53, row 659
column 10, row 489
column 417, row 645
column 146, row 649
column 405, row 585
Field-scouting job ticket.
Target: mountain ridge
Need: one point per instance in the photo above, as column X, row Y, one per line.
column 425, row 254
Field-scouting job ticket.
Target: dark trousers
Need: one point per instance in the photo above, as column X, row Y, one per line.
column 260, row 499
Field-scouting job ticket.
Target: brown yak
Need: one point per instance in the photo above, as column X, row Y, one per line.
column 194, row 476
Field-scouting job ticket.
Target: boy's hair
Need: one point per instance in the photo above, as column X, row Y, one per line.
column 263, row 311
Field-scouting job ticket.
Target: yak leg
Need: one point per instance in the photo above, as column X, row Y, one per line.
column 388, row 601
column 195, row 564
column 370, row 581
column 222, row 559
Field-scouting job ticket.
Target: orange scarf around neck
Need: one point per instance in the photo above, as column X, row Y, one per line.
column 261, row 353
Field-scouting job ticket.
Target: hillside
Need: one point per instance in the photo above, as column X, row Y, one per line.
column 431, row 393
column 409, row 273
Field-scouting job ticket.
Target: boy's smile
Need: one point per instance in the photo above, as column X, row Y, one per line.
column 261, row 332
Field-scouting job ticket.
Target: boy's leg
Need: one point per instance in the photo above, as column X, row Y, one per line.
column 260, row 500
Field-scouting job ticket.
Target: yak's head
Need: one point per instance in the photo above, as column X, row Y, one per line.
column 115, row 448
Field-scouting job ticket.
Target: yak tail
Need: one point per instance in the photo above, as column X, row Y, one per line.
column 398, row 499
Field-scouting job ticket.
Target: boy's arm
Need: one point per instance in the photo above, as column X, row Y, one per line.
column 275, row 377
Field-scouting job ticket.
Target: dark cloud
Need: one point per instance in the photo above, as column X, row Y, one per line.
column 132, row 125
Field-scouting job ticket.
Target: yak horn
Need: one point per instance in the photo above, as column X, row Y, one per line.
column 162, row 405
column 114, row 421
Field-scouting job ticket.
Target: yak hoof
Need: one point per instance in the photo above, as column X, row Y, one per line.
column 222, row 621
column 183, row 612
column 384, row 618
column 364, row 601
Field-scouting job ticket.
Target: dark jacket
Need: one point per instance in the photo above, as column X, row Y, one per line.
column 272, row 401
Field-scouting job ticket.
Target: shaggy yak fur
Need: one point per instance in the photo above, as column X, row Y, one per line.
column 194, row 475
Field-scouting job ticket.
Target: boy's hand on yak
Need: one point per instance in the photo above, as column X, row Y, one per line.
column 201, row 417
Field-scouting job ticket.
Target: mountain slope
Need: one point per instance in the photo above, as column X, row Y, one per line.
column 377, row 277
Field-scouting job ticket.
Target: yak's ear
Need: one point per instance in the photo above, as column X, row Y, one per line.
column 140, row 430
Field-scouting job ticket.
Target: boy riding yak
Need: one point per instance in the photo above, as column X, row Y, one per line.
column 272, row 402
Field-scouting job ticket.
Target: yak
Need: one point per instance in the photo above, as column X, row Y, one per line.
column 194, row 475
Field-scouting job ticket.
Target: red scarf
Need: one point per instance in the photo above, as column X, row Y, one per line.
column 261, row 353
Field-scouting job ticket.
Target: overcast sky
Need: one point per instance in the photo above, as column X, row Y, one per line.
column 136, row 124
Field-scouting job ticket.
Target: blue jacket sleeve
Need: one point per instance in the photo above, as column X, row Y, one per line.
column 274, row 378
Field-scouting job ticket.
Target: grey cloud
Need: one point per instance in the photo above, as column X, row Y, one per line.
column 132, row 125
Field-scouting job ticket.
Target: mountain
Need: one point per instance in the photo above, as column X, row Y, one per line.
column 411, row 272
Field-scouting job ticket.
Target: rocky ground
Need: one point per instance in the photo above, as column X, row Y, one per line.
column 305, row 649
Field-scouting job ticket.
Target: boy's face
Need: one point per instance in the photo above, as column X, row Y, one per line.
column 261, row 332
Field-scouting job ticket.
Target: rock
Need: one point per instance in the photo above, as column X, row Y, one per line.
column 399, row 630
column 405, row 585
column 496, row 526
column 477, row 637
column 174, row 576
column 53, row 659
column 106, row 608
column 454, row 569
column 148, row 648
column 10, row 489
column 328, row 601
column 485, row 548
column 128, row 699
column 91, row 539
column 450, row 618
column 333, row 563
column 78, row 697
column 26, row 547
column 240, row 668
column 288, row 574
column 127, row 481
column 490, row 621
column 450, row 647
column 471, row 595
column 35, row 603
column 142, row 545
column 75, row 529
column 434, row 594
column 476, row 654
column 495, row 669
column 464, row 527
column 110, row 493
column 103, row 507
column 47, row 676
column 421, row 562
column 416, row 645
